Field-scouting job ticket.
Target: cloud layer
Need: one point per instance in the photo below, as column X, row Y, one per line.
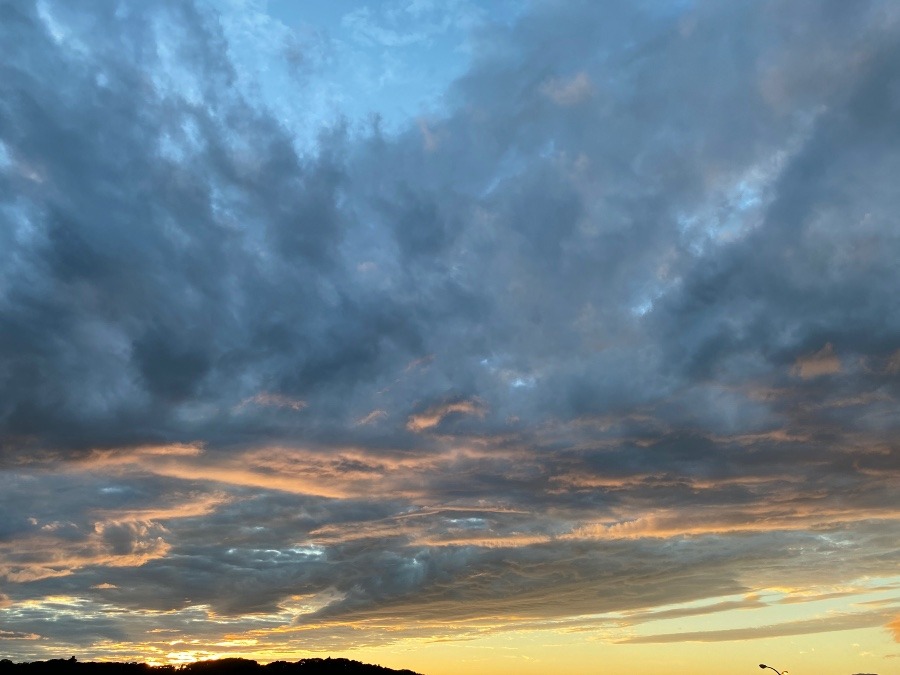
column 615, row 329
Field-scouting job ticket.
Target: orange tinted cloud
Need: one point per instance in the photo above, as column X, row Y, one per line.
column 297, row 471
column 577, row 481
column 760, row 518
column 117, row 538
column 195, row 505
column 894, row 627
column 435, row 415
column 42, row 557
column 513, row 540
column 15, row 635
column 823, row 362
column 100, row 459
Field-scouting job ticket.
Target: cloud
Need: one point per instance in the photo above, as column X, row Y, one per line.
column 372, row 417
column 400, row 24
column 14, row 635
column 568, row 92
column 749, row 602
column 433, row 416
column 110, row 545
column 276, row 314
column 821, row 625
column 823, row 362
column 894, row 627
column 613, row 330
column 275, row 400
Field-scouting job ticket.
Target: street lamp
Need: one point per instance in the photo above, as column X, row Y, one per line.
column 780, row 672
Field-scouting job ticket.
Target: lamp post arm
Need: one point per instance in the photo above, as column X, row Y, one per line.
column 780, row 672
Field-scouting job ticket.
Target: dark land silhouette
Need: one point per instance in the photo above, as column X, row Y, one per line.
column 233, row 666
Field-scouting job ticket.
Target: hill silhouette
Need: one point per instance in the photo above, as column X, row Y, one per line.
column 231, row 666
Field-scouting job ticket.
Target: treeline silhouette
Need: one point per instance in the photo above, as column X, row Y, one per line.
column 234, row 666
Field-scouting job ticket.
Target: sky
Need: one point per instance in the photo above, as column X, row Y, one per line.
column 464, row 336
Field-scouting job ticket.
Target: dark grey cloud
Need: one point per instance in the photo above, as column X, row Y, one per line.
column 185, row 258
column 167, row 248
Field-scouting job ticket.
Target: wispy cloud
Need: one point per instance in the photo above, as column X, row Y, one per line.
column 274, row 400
column 829, row 624
column 433, row 416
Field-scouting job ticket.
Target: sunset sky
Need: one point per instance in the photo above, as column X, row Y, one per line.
column 475, row 337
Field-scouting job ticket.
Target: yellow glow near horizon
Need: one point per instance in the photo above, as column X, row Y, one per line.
column 577, row 645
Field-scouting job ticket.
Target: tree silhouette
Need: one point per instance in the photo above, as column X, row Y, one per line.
column 229, row 666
